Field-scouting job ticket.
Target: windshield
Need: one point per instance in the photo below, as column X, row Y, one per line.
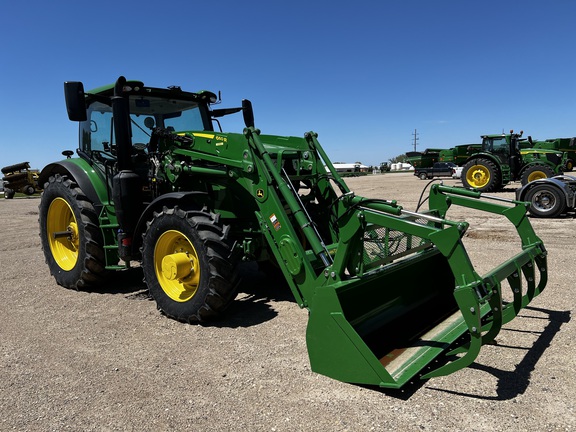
column 497, row 145
column 146, row 113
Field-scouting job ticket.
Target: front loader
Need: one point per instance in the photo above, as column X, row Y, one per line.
column 388, row 291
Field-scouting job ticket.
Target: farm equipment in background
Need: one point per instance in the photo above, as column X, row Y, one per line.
column 424, row 159
column 564, row 145
column 20, row 178
column 459, row 154
column 549, row 197
column 388, row 291
column 502, row 160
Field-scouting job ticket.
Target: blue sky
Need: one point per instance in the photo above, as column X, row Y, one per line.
column 363, row 74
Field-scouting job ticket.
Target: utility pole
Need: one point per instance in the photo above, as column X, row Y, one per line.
column 415, row 134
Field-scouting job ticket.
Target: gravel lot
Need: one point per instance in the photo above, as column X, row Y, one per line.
column 108, row 360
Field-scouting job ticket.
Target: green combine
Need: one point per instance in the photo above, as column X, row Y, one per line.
column 389, row 291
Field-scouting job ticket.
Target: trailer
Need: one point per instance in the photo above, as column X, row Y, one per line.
column 549, row 197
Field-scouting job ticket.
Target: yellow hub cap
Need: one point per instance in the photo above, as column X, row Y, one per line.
column 536, row 175
column 62, row 231
column 177, row 266
column 478, row 176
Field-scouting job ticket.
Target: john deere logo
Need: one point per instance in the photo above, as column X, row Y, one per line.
column 260, row 193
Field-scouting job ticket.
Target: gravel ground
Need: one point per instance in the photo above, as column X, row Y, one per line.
column 108, row 360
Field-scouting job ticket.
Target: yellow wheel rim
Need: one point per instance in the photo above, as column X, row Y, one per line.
column 569, row 166
column 177, row 266
column 536, row 175
column 478, row 176
column 62, row 231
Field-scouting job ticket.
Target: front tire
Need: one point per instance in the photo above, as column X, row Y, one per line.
column 9, row 193
column 70, row 235
column 423, row 176
column 546, row 201
column 187, row 264
column 535, row 172
column 482, row 175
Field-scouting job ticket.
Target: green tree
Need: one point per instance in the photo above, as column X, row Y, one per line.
column 398, row 159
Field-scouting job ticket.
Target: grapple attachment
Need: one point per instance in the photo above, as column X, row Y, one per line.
column 390, row 291
column 402, row 291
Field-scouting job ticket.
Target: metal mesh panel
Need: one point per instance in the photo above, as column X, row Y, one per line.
column 384, row 245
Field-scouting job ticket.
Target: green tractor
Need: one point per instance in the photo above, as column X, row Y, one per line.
column 502, row 160
column 155, row 184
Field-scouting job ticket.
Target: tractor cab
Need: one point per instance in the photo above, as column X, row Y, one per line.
column 505, row 147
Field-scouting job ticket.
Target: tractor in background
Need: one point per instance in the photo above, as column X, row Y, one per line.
column 502, row 160
column 20, row 178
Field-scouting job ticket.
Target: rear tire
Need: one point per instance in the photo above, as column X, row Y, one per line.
column 187, row 264
column 535, row 172
column 423, row 176
column 76, row 260
column 546, row 201
column 482, row 175
column 29, row 190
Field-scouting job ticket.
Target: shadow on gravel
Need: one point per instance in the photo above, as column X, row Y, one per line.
column 253, row 305
column 129, row 281
column 514, row 383
column 256, row 294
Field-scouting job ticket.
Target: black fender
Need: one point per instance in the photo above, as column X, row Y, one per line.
column 194, row 200
column 76, row 172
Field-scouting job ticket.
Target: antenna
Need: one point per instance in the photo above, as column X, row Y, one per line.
column 415, row 134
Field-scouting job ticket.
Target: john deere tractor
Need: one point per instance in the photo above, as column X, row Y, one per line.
column 156, row 183
column 502, row 160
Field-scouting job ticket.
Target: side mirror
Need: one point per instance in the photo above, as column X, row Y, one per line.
column 247, row 113
column 75, row 102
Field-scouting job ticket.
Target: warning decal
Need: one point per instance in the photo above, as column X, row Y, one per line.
column 275, row 222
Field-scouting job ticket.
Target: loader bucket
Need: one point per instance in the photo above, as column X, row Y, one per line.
column 418, row 300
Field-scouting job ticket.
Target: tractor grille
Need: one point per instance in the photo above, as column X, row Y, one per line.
column 554, row 158
column 384, row 245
